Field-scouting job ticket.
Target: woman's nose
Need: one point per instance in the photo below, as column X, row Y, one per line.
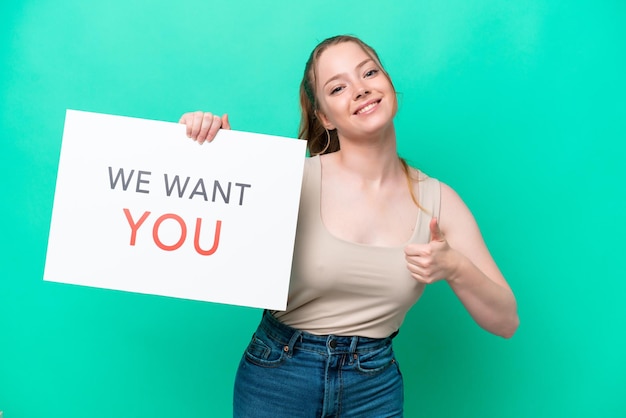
column 361, row 92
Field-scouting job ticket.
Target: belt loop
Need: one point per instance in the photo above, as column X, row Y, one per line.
column 292, row 343
column 353, row 347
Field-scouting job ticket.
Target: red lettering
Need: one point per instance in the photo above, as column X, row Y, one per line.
column 216, row 238
column 134, row 226
column 183, row 230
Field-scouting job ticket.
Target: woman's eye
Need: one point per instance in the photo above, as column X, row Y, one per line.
column 336, row 90
column 370, row 73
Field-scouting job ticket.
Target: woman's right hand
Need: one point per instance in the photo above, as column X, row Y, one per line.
column 203, row 126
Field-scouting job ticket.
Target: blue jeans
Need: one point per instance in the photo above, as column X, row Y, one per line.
column 286, row 372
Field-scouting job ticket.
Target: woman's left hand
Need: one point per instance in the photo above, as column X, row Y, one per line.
column 429, row 263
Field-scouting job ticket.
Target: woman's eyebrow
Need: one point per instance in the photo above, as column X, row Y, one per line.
column 359, row 65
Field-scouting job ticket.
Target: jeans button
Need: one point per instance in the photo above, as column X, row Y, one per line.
column 332, row 344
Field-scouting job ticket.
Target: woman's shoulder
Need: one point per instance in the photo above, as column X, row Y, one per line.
column 311, row 164
column 446, row 192
column 419, row 176
column 312, row 160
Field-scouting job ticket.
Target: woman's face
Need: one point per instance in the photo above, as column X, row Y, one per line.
column 354, row 95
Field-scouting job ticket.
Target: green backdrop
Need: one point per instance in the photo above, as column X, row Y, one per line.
column 519, row 105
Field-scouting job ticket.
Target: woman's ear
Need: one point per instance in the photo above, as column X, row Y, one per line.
column 324, row 120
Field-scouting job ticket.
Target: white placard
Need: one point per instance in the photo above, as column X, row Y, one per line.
column 140, row 207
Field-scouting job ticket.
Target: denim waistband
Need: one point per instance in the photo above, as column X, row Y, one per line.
column 290, row 337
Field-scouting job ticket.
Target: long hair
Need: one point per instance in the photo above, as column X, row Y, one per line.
column 319, row 140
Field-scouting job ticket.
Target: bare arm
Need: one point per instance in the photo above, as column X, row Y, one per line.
column 457, row 253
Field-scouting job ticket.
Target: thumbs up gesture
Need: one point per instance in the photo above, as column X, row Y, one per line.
column 431, row 262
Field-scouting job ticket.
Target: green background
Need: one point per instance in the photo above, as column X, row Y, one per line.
column 519, row 105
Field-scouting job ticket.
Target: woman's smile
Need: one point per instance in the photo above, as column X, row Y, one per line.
column 368, row 107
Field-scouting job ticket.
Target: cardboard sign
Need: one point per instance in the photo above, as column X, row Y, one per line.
column 140, row 207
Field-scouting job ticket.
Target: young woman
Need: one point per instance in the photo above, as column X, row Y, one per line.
column 372, row 233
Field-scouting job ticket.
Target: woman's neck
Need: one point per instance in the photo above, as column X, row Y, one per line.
column 374, row 159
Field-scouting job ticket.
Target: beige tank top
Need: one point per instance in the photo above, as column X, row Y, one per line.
column 343, row 288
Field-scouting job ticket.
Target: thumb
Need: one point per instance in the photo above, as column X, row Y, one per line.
column 435, row 232
column 225, row 122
